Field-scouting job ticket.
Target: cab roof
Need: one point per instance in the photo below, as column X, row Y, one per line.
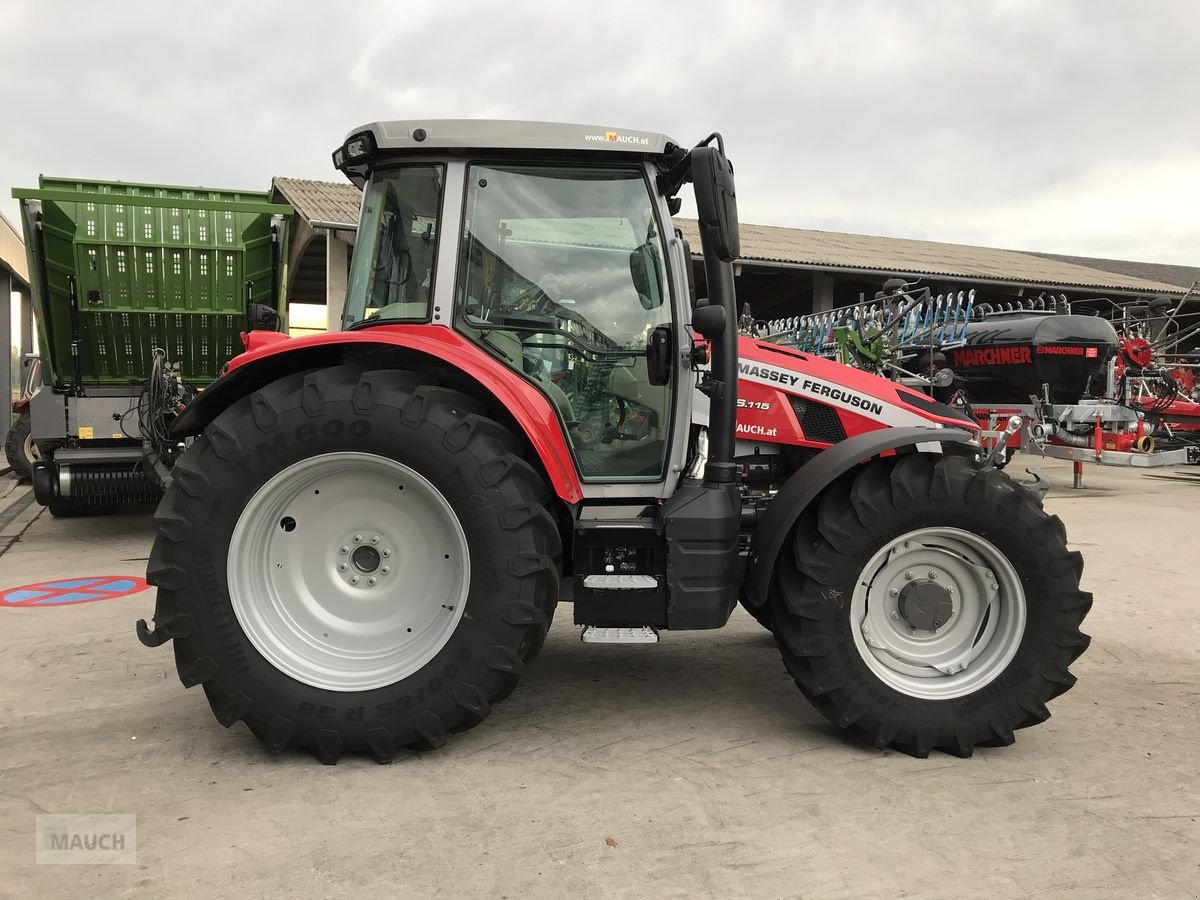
column 420, row 135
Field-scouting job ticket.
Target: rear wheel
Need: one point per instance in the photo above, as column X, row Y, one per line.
column 19, row 448
column 930, row 604
column 354, row 561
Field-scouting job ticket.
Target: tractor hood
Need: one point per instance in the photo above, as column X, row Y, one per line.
column 789, row 397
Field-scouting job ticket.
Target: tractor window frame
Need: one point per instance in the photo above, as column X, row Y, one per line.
column 354, row 275
column 677, row 386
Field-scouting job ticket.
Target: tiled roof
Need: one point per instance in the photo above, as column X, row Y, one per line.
column 321, row 201
column 1180, row 276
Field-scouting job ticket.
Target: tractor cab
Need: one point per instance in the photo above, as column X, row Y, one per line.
column 558, row 261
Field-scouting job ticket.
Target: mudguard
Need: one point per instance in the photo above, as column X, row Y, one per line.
column 807, row 483
column 269, row 359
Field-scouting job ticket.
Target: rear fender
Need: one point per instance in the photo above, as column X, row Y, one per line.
column 807, row 483
column 452, row 358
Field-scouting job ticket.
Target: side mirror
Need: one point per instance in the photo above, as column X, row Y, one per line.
column 716, row 201
column 892, row 285
column 709, row 321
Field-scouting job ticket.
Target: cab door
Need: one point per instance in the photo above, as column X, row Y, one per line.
column 562, row 276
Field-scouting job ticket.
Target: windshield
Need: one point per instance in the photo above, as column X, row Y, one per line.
column 392, row 274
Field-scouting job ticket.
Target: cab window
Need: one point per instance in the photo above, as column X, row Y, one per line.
column 562, row 278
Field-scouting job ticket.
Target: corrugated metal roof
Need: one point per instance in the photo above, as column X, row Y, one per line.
column 321, row 201
column 859, row 251
column 339, row 202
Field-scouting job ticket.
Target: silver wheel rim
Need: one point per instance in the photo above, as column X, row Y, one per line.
column 938, row 613
column 31, row 451
column 348, row 571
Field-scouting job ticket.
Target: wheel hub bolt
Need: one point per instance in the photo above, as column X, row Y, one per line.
column 895, row 614
column 385, row 570
column 375, row 539
column 908, row 576
column 932, row 575
column 342, row 567
column 354, row 579
column 370, row 581
column 895, row 592
column 387, row 553
column 344, row 550
column 358, row 539
column 912, row 629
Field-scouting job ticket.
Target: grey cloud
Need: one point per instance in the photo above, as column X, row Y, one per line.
column 942, row 120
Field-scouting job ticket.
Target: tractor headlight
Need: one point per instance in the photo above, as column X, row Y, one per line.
column 359, row 146
column 356, row 151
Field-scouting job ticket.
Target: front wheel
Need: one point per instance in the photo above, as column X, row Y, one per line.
column 930, row 604
column 354, row 561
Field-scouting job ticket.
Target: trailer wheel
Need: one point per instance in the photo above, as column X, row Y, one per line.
column 930, row 604
column 354, row 561
column 19, row 448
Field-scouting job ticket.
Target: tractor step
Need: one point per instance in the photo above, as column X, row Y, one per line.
column 620, row 582
column 600, row 634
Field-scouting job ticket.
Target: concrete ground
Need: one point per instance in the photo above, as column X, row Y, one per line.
column 692, row 768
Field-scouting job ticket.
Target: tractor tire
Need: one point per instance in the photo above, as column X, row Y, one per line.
column 19, row 448
column 272, row 563
column 930, row 604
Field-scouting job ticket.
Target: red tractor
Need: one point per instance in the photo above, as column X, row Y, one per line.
column 363, row 547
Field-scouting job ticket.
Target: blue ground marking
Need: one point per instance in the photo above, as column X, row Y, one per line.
column 116, row 586
column 77, row 597
column 22, row 596
column 71, row 590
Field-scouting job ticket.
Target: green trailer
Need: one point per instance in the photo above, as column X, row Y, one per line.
column 141, row 292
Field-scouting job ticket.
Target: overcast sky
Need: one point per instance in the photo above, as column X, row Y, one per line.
column 1065, row 126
